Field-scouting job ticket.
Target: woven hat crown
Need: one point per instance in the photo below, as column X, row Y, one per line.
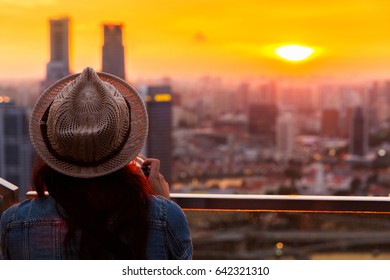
column 88, row 120
column 89, row 124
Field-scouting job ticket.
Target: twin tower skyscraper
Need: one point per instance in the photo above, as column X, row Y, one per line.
column 113, row 57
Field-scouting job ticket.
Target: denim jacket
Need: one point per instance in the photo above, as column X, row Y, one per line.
column 34, row 229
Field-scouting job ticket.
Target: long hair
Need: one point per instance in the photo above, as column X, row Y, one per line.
column 106, row 217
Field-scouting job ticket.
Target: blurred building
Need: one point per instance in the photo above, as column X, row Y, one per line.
column 346, row 119
column 265, row 93
column 113, row 54
column 359, row 133
column 16, row 151
column 303, row 98
column 329, row 97
column 377, row 104
column 262, row 122
column 286, row 131
column 241, row 98
column 330, row 123
column 58, row 66
column 159, row 141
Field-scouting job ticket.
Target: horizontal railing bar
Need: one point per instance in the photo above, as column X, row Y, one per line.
column 285, row 203
column 280, row 203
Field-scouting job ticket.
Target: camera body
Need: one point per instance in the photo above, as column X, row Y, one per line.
column 145, row 169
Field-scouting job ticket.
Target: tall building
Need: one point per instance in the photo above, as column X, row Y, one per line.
column 359, row 134
column 286, row 130
column 58, row 66
column 266, row 93
column 302, row 98
column 113, row 60
column 330, row 123
column 262, row 122
column 159, row 141
column 377, row 105
column 16, row 151
column 346, row 118
column 242, row 97
column 329, row 97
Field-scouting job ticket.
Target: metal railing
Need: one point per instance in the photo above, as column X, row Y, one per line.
column 8, row 194
column 283, row 203
column 272, row 203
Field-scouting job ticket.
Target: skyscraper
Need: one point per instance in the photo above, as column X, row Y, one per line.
column 359, row 133
column 113, row 60
column 286, row 130
column 15, row 147
column 330, row 123
column 262, row 122
column 58, row 66
column 159, row 141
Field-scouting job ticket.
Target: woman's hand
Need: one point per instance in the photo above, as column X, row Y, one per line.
column 156, row 179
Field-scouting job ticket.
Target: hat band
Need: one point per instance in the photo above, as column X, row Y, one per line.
column 43, row 126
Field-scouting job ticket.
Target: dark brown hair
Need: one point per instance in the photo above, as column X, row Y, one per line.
column 106, row 217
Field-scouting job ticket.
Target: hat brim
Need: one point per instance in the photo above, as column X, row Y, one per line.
column 133, row 146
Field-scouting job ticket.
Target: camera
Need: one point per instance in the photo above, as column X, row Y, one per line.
column 145, row 169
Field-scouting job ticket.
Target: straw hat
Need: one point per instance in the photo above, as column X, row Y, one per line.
column 89, row 124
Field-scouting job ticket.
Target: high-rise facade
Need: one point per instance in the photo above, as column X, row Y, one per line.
column 262, row 122
column 16, row 151
column 359, row 133
column 286, row 131
column 58, row 66
column 159, row 141
column 330, row 123
column 113, row 54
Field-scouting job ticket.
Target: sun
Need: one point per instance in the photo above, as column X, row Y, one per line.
column 294, row 53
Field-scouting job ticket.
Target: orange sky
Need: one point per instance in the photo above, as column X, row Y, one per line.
column 203, row 37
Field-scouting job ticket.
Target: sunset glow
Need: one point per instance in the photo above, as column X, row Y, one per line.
column 294, row 52
column 194, row 38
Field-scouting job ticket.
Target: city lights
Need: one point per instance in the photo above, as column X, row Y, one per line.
column 163, row 97
column 4, row 99
column 279, row 245
column 382, row 152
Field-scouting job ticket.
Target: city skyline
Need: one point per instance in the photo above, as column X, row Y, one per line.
column 198, row 38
